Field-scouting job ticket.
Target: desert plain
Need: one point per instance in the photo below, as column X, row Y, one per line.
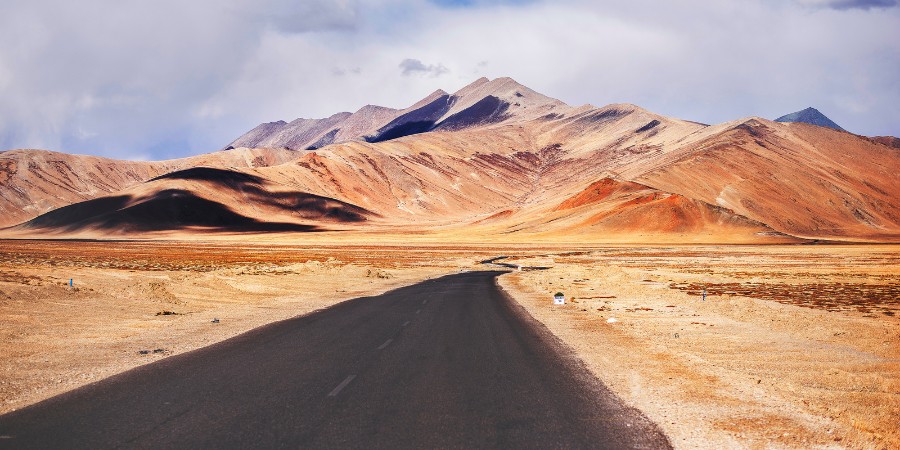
column 793, row 346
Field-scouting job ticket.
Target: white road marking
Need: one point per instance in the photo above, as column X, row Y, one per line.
column 418, row 311
column 424, row 301
column 386, row 343
column 406, row 323
column 343, row 384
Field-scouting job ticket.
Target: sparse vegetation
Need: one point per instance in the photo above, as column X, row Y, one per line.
column 377, row 273
column 792, row 346
column 752, row 360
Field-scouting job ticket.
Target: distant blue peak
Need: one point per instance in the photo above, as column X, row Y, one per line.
column 810, row 116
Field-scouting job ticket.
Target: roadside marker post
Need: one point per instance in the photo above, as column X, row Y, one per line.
column 559, row 299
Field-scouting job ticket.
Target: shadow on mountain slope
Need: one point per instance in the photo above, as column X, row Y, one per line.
column 225, row 177
column 170, row 209
column 420, row 120
column 486, row 111
column 309, row 206
column 252, row 188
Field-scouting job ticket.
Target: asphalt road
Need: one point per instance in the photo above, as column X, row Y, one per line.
column 448, row 363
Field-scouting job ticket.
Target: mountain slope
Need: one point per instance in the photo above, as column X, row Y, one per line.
column 890, row 141
column 481, row 103
column 611, row 209
column 200, row 199
column 798, row 178
column 33, row 182
column 257, row 136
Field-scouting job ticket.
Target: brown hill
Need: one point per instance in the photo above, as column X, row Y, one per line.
column 890, row 141
column 498, row 161
column 797, row 178
column 628, row 207
column 33, row 182
column 615, row 210
column 201, row 199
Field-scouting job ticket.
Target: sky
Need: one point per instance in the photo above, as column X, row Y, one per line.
column 162, row 79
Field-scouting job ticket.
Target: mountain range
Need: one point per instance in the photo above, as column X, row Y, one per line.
column 494, row 161
column 483, row 102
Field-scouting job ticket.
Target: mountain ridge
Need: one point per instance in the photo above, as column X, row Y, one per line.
column 495, row 170
column 482, row 102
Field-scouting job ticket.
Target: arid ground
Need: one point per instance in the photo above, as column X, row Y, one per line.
column 794, row 346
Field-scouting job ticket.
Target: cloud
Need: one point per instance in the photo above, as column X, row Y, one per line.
column 414, row 66
column 849, row 4
column 171, row 78
column 105, row 78
column 298, row 17
column 478, row 3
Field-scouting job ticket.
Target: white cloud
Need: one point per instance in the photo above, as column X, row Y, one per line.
column 411, row 66
column 167, row 78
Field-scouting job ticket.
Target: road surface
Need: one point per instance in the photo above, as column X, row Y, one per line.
column 447, row 363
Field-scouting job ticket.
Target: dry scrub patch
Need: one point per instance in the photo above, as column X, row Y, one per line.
column 794, row 346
